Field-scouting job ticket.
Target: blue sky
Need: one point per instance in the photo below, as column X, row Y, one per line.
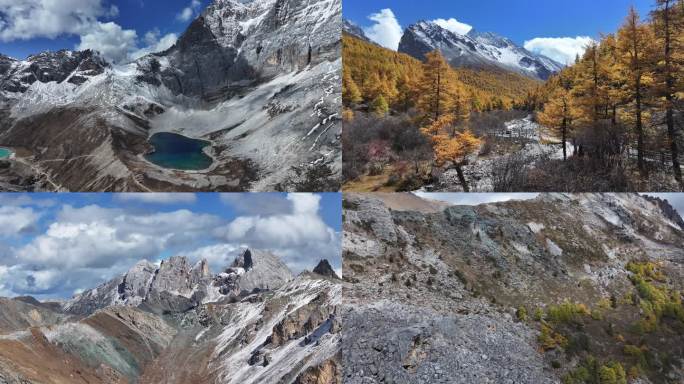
column 53, row 245
column 67, row 24
column 521, row 20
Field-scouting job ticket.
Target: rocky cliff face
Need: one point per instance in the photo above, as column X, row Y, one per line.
column 354, row 30
column 476, row 50
column 161, row 324
column 259, row 80
column 523, row 291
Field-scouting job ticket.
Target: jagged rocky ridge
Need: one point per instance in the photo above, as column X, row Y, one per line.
column 354, row 30
column 259, row 80
column 475, row 50
column 433, row 293
column 178, row 323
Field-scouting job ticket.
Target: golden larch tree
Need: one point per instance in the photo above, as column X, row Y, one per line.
column 635, row 45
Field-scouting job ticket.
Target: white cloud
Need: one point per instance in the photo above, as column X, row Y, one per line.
column 188, row 12
column 81, row 247
column 96, row 237
column 219, row 256
column 562, row 49
column 113, row 42
column 386, row 31
column 155, row 43
column 28, row 19
column 16, row 220
column 157, row 198
column 454, row 26
column 121, row 45
column 301, row 237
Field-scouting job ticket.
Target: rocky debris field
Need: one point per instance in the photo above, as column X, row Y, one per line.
column 521, row 291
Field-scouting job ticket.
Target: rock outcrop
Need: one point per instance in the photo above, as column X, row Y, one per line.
column 168, row 324
column 325, row 269
column 479, row 293
column 259, row 80
column 475, row 50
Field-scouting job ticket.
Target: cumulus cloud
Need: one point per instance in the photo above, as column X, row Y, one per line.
column 54, row 251
column 157, row 198
column 562, row 49
column 97, row 237
column 17, row 220
column 300, row 236
column 28, row 19
column 120, row 45
column 219, row 256
column 453, row 25
column 386, row 31
column 188, row 12
column 112, row 41
column 155, row 43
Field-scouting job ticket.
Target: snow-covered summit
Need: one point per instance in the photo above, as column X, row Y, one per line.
column 243, row 74
column 475, row 49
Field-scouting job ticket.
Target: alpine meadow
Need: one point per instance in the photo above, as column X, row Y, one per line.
column 461, row 110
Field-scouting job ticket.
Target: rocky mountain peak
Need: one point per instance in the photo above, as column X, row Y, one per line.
column 73, row 67
column 475, row 49
column 244, row 260
column 262, row 270
column 325, row 269
column 354, row 30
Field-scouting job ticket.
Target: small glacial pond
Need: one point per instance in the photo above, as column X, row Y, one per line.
column 5, row 153
column 178, row 152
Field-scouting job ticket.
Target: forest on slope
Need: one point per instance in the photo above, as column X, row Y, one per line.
column 610, row 122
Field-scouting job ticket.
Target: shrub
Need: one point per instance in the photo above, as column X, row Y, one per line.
column 590, row 370
column 612, row 373
column 538, row 314
column 567, row 312
column 379, row 106
column 550, row 339
column 521, row 313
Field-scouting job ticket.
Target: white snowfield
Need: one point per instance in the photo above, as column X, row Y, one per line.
column 483, row 48
column 284, row 118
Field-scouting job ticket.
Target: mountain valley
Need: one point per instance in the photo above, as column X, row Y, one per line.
column 175, row 322
column 258, row 80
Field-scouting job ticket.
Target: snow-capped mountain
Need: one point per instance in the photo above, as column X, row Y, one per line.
column 354, row 30
column 475, row 49
column 259, row 80
column 255, row 322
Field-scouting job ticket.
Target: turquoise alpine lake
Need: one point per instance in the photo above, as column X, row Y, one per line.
column 178, row 152
column 5, row 153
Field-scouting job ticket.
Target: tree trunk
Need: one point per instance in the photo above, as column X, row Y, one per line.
column 439, row 90
column 637, row 94
column 461, row 178
column 674, row 150
column 640, row 130
column 563, row 134
column 669, row 80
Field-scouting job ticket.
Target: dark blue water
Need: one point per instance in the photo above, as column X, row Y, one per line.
column 178, row 152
